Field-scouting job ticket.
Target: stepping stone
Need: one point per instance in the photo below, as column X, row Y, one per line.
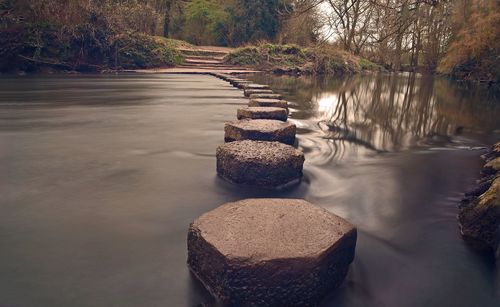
column 232, row 79
column 238, row 81
column 253, row 86
column 264, row 102
column 248, row 92
column 260, row 130
column 241, row 82
column 265, row 96
column 263, row 113
column 270, row 252
column 240, row 85
column 224, row 76
column 258, row 163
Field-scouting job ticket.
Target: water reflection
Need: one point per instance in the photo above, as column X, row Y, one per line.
column 384, row 113
column 102, row 177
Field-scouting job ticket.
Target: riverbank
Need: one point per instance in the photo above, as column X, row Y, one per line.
column 479, row 215
column 298, row 60
column 29, row 48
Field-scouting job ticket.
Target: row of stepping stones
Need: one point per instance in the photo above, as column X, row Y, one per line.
column 259, row 145
column 267, row 252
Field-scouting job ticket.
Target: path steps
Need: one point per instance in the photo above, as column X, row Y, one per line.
column 267, row 252
column 206, row 60
column 270, row 252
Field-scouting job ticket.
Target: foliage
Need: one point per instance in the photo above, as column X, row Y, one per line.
column 254, row 20
column 278, row 55
column 145, row 51
column 226, row 22
column 332, row 61
column 474, row 52
column 80, row 35
column 292, row 58
column 369, row 65
column 205, row 22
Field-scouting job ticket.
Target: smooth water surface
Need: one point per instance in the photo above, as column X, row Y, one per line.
column 101, row 176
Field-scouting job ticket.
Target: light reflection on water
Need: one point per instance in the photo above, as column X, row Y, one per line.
column 101, row 176
column 385, row 113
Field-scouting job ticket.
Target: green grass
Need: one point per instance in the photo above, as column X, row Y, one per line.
column 369, row 65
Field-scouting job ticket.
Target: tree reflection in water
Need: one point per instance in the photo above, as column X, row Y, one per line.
column 380, row 113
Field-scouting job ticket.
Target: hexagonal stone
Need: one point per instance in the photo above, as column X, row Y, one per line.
column 258, row 163
column 248, row 92
column 265, row 96
column 262, row 113
column 260, row 130
column 270, row 252
column 266, row 102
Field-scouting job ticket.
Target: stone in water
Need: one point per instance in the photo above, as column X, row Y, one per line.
column 270, row 252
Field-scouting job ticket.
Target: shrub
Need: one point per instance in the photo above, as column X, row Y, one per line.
column 322, row 60
column 474, row 51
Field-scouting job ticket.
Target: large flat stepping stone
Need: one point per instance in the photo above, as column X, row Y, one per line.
column 260, row 130
column 270, row 252
column 263, row 113
column 258, row 163
column 248, row 92
column 266, row 102
column 265, row 96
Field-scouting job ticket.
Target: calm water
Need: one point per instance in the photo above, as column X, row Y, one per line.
column 101, row 176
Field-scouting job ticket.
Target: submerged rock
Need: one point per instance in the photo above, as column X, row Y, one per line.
column 265, row 96
column 260, row 130
column 264, row 164
column 266, row 102
column 263, row 113
column 270, row 252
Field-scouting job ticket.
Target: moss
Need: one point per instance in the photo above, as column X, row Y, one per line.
column 144, row 51
column 288, row 56
column 30, row 47
column 369, row 65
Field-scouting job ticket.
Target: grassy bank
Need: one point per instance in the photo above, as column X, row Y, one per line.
column 295, row 59
column 32, row 48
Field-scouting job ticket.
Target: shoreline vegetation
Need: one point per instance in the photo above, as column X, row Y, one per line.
column 460, row 39
column 294, row 59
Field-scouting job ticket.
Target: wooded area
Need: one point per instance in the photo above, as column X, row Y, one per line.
column 453, row 37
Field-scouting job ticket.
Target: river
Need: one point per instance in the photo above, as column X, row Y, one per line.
column 102, row 174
